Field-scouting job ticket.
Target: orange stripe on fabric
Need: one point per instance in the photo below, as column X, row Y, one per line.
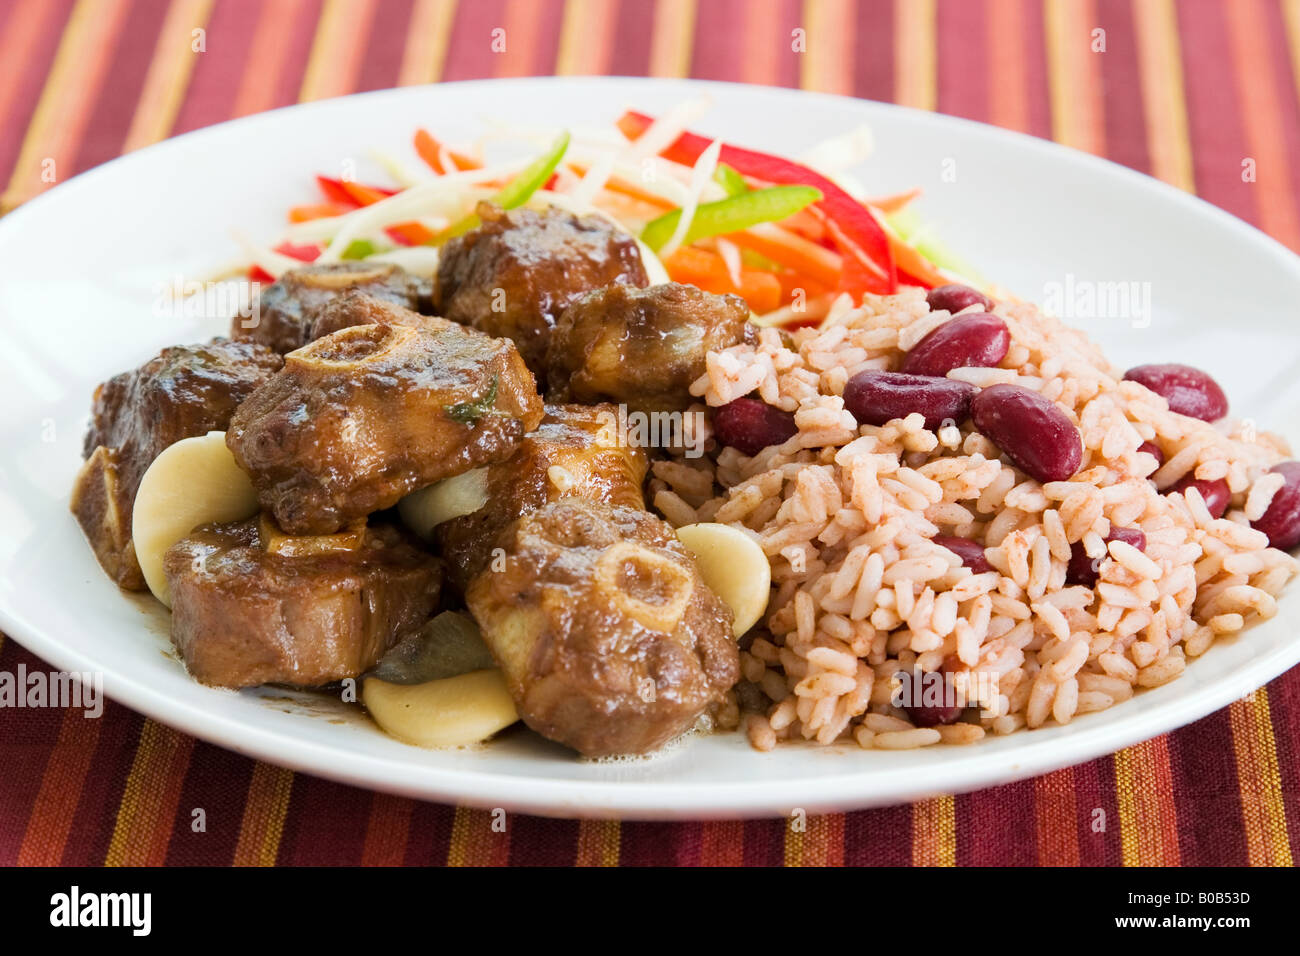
column 1056, row 819
column 673, row 38
column 18, row 44
column 387, row 831
column 474, row 842
column 147, row 813
column 265, row 809
column 266, row 56
column 599, row 843
column 762, row 60
column 1263, row 117
column 1160, row 63
column 338, row 50
column 426, row 42
column 1148, row 817
column 722, row 843
column 915, row 55
column 1074, row 75
column 1291, row 16
column 586, row 37
column 56, row 802
column 1008, row 72
column 819, row 842
column 1262, row 808
column 169, row 73
column 827, row 65
column 523, row 19
column 74, row 84
column 934, row 832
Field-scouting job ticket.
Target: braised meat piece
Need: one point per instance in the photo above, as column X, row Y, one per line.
column 607, row 636
column 361, row 417
column 578, row 451
column 287, row 307
column 517, row 272
column 360, row 308
column 182, row 392
column 303, row 614
column 640, row 347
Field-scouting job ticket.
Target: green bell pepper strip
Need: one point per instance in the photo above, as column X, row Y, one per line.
column 520, row 189
column 732, row 183
column 732, row 214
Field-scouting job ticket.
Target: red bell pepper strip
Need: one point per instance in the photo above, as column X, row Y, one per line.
column 350, row 194
column 303, row 253
column 852, row 226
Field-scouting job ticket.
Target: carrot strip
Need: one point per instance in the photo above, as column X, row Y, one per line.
column 364, row 195
column 796, row 253
column 616, row 184
column 410, row 233
column 707, row 270
column 322, row 210
column 430, row 150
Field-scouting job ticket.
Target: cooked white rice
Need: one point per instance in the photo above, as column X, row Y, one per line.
column 846, row 514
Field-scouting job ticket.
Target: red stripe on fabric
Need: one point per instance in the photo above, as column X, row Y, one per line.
column 1218, row 140
column 29, row 737
column 1121, row 78
column 720, row 38
column 873, row 63
column 429, row 834
column 115, row 106
column 1284, row 705
column 382, row 60
column 963, row 85
column 215, row 80
column 659, row 844
column 27, row 85
column 1211, row 830
column 1284, row 84
column 469, row 48
column 298, row 51
column 325, row 824
column 633, row 29
column 217, row 784
column 765, row 842
column 1034, row 39
column 538, row 841
column 878, row 837
column 1097, row 807
column 92, row 824
column 996, row 827
column 546, row 44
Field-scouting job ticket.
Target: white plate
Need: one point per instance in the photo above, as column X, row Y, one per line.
column 78, row 270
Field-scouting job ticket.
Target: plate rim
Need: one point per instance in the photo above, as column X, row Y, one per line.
column 662, row 800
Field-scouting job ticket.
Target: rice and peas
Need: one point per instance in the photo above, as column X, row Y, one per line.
column 863, row 597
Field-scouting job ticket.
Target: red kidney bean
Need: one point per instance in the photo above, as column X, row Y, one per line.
column 1188, row 390
column 1152, row 449
column 975, row 339
column 953, row 298
column 1083, row 570
column 1030, row 429
column 874, row 398
column 970, row 552
column 1281, row 522
column 750, row 425
column 1215, row 493
column 922, row 685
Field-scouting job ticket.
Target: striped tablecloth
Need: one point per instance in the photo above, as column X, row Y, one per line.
column 1185, row 91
